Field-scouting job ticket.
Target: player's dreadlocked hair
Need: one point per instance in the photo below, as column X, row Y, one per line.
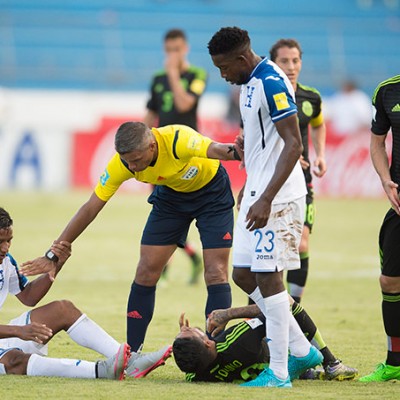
column 190, row 355
column 227, row 40
column 5, row 219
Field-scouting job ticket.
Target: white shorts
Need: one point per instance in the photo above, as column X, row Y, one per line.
column 276, row 246
column 27, row 346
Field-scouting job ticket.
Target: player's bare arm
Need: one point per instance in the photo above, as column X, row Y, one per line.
column 36, row 332
column 318, row 137
column 380, row 161
column 79, row 222
column 224, row 151
column 218, row 319
column 288, row 129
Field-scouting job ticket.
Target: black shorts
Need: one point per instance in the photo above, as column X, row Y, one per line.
column 389, row 249
column 310, row 209
column 173, row 212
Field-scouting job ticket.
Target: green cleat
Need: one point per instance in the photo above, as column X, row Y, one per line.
column 382, row 373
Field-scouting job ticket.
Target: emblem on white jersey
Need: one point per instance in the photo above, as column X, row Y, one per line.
column 281, row 101
column 249, row 96
column 1, row 279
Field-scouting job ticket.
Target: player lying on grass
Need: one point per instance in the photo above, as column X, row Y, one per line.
column 23, row 342
column 240, row 353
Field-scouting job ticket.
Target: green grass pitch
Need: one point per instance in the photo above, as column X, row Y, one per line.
column 342, row 296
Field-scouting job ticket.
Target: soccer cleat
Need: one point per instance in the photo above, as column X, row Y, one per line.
column 337, row 371
column 298, row 365
column 267, row 378
column 141, row 364
column 114, row 367
column 313, row 374
column 334, row 371
column 382, row 373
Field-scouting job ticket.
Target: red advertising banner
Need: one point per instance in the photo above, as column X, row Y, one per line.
column 350, row 171
column 91, row 151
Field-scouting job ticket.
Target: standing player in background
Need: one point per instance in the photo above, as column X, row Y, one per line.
column 386, row 103
column 287, row 53
column 174, row 99
column 269, row 225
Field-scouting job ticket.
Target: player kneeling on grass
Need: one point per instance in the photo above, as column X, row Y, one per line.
column 23, row 342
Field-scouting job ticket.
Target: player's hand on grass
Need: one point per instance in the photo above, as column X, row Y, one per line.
column 36, row 332
column 216, row 322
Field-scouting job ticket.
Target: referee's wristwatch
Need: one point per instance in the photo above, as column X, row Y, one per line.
column 51, row 256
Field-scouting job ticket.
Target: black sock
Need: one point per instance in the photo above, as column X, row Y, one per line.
column 219, row 297
column 391, row 318
column 139, row 314
column 297, row 278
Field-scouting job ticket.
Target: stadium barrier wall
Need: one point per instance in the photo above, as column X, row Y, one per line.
column 58, row 140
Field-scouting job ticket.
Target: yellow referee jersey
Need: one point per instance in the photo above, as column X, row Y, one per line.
column 181, row 163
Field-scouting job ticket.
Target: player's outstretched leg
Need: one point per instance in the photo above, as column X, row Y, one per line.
column 141, row 364
column 114, row 367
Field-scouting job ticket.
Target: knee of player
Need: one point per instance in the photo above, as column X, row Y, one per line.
column 390, row 284
column 64, row 312
column 215, row 274
column 244, row 279
column 15, row 362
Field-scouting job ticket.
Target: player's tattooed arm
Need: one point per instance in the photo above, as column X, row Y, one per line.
column 218, row 319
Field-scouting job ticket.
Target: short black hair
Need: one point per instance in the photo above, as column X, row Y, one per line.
column 175, row 34
column 190, row 354
column 5, row 219
column 227, row 40
column 131, row 136
column 291, row 43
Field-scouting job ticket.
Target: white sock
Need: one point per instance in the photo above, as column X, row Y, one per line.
column 45, row 366
column 299, row 346
column 257, row 297
column 277, row 321
column 88, row 334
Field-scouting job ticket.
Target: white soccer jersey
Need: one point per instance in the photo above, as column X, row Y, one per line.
column 11, row 281
column 267, row 98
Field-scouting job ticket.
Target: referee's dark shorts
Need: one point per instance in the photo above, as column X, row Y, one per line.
column 173, row 212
